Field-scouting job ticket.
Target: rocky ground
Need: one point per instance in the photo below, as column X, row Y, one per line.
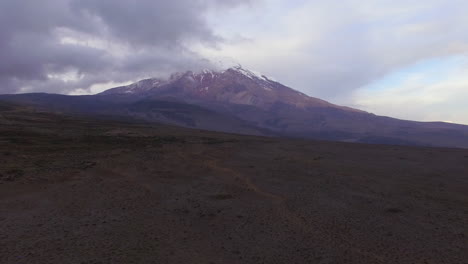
column 91, row 191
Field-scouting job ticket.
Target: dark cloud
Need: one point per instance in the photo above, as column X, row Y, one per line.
column 88, row 41
column 149, row 22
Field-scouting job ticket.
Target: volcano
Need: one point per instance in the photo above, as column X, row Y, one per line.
column 241, row 101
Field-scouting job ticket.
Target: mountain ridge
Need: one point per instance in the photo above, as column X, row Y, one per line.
column 239, row 101
column 200, row 83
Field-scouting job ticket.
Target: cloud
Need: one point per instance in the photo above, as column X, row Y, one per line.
column 64, row 45
column 329, row 49
column 333, row 49
column 426, row 92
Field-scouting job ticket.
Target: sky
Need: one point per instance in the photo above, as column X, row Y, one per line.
column 406, row 59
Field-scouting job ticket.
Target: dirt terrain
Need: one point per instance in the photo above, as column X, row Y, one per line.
column 90, row 191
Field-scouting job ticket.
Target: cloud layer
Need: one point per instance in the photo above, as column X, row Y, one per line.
column 335, row 49
column 330, row 48
column 63, row 45
column 338, row 50
column 435, row 91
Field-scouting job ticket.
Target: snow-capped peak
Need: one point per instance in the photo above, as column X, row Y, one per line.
column 201, row 79
column 259, row 78
column 245, row 72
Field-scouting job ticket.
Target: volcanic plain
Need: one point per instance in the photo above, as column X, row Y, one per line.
column 80, row 190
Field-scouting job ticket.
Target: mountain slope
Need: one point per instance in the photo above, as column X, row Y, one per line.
column 150, row 110
column 233, row 86
column 240, row 101
column 270, row 105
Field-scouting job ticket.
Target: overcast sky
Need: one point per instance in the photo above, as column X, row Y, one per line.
column 403, row 58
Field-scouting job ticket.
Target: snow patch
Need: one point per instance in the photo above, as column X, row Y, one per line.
column 266, row 87
column 246, row 73
column 259, row 78
column 212, row 73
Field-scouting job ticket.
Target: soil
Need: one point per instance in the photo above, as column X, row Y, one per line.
column 92, row 191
